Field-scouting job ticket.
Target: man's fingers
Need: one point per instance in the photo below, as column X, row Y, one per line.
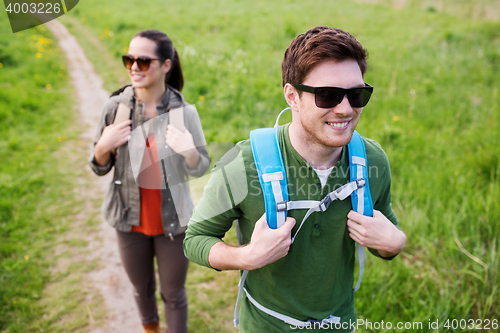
column 289, row 223
column 261, row 222
column 358, row 218
column 355, row 232
column 352, row 225
column 356, row 238
column 355, row 216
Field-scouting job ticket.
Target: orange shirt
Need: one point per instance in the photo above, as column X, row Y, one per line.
column 149, row 181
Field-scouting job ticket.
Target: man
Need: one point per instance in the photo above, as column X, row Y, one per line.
column 313, row 277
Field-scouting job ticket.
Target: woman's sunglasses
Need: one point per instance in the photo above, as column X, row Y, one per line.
column 143, row 62
column 329, row 97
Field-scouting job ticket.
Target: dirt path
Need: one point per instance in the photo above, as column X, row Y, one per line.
column 110, row 278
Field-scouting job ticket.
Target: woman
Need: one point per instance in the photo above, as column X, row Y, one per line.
column 148, row 201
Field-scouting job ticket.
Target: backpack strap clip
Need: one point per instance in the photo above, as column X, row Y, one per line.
column 325, row 203
column 282, row 206
column 331, row 319
column 361, row 182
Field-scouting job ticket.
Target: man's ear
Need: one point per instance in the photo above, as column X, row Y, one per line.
column 167, row 65
column 291, row 96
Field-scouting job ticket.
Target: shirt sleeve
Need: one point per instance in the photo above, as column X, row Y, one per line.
column 104, row 120
column 218, row 207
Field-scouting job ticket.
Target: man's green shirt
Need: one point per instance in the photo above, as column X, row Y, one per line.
column 316, row 278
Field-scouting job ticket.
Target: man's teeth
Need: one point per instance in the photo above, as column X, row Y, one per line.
column 339, row 125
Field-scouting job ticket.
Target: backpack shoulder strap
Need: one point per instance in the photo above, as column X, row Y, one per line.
column 272, row 175
column 361, row 198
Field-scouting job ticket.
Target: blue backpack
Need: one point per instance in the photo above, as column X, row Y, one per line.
column 272, row 176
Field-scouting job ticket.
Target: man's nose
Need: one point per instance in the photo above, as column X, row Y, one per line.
column 344, row 106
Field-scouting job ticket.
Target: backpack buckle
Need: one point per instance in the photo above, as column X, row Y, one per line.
column 314, row 321
column 360, row 182
column 331, row 319
column 325, row 203
column 281, row 206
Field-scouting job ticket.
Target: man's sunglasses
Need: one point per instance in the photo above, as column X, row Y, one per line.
column 143, row 62
column 329, row 97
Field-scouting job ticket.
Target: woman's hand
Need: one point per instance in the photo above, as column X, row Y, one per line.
column 111, row 138
column 182, row 143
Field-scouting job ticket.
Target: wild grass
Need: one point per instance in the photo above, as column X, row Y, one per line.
column 435, row 70
column 41, row 290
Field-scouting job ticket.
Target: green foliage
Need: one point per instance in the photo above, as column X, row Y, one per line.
column 36, row 180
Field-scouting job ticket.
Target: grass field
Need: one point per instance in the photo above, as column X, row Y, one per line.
column 435, row 68
column 40, row 289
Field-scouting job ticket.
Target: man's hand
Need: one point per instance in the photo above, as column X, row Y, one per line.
column 376, row 232
column 266, row 246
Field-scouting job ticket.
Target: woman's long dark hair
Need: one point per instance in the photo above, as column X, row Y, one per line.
column 164, row 50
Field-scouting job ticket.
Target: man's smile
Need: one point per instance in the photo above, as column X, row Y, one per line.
column 339, row 125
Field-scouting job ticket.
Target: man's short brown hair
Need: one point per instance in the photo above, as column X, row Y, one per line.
column 318, row 44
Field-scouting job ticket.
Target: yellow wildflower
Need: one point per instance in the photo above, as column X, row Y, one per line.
column 38, row 55
column 1, row 65
column 395, row 118
column 44, row 41
column 48, row 86
column 201, row 98
column 26, row 257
